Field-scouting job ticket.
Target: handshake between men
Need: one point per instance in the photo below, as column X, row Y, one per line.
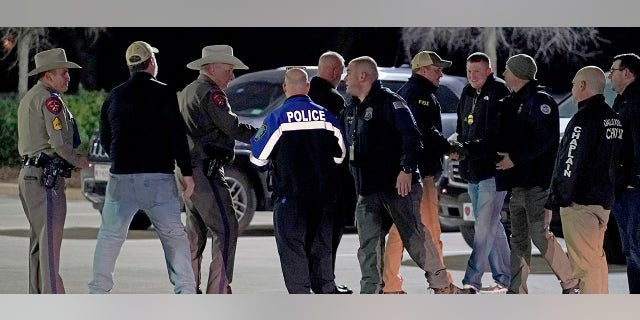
column 457, row 151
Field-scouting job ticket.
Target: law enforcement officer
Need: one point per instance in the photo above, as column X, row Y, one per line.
column 624, row 75
column 380, row 131
column 212, row 129
column 303, row 144
column 418, row 92
column 141, row 130
column 583, row 180
column 529, row 144
column 47, row 141
column 323, row 92
column 478, row 130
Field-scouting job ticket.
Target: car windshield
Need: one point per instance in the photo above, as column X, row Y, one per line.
column 254, row 99
column 254, row 96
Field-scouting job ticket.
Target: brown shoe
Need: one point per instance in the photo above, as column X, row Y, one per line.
column 394, row 292
column 450, row 289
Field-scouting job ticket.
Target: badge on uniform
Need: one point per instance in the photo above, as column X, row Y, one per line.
column 57, row 124
column 219, row 99
column 470, row 119
column 260, row 133
column 546, row 109
column 54, row 105
column 368, row 113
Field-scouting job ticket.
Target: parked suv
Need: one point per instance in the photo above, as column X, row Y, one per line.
column 455, row 203
column 253, row 96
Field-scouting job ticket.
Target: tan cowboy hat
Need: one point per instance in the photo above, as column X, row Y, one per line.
column 220, row 53
column 52, row 59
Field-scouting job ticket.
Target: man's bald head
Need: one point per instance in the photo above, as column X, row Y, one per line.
column 330, row 67
column 296, row 82
column 588, row 82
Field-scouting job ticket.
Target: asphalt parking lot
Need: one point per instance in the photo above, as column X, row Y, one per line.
column 142, row 288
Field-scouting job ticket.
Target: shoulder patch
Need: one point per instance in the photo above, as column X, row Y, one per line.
column 219, row 99
column 545, row 109
column 57, row 125
column 399, row 105
column 53, row 104
column 260, row 132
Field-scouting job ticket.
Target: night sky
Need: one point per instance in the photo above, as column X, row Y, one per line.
column 270, row 47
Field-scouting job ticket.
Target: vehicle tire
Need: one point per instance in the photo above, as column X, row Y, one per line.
column 468, row 233
column 242, row 194
column 612, row 244
column 140, row 221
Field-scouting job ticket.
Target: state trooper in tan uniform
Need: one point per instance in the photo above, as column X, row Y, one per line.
column 212, row 130
column 47, row 138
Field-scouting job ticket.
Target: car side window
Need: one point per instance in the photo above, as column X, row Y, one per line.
column 448, row 100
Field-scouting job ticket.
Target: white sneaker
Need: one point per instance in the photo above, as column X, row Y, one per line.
column 471, row 289
column 494, row 288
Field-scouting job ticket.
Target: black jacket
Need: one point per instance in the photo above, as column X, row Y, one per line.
column 530, row 133
column 384, row 137
column 141, row 128
column 584, row 171
column 418, row 92
column 627, row 106
column 478, row 128
column 323, row 93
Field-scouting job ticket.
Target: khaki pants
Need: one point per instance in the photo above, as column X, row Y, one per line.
column 46, row 211
column 584, row 228
column 210, row 210
column 394, row 248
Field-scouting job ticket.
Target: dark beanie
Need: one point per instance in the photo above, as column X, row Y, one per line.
column 522, row 66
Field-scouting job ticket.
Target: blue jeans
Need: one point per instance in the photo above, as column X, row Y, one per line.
column 157, row 195
column 627, row 214
column 490, row 244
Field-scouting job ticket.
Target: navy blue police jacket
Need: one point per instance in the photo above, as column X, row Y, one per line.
column 302, row 143
column 584, row 172
column 418, row 92
column 627, row 105
column 530, row 133
column 384, row 138
column 478, row 128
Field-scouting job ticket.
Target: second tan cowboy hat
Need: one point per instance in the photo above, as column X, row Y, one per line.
column 52, row 59
column 220, row 53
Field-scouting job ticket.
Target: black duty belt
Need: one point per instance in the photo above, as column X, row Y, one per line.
column 28, row 162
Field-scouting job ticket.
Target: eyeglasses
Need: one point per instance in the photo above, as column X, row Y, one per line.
column 614, row 69
column 287, row 68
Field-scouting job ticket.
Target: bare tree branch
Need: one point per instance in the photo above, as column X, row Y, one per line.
column 542, row 43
